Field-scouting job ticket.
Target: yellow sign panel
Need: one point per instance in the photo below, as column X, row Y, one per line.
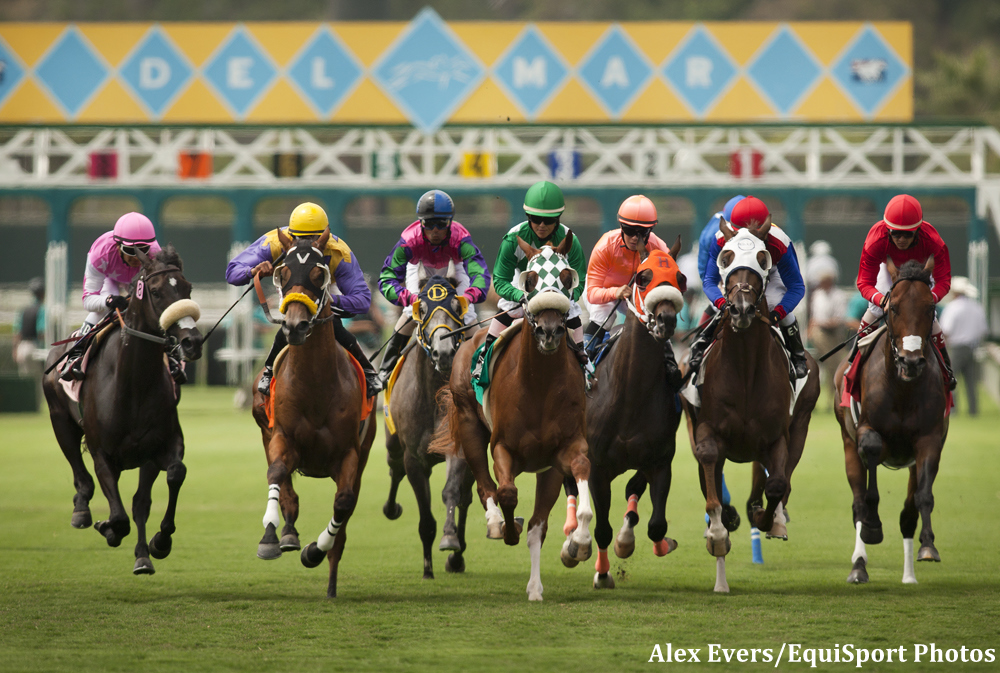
column 477, row 165
column 429, row 73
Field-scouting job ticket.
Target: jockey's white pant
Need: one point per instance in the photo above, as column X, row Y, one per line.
column 884, row 284
column 600, row 313
column 413, row 285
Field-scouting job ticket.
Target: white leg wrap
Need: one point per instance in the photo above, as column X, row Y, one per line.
column 859, row 546
column 716, row 531
column 273, row 513
column 535, row 549
column 721, row 585
column 908, row 576
column 583, row 514
column 326, row 538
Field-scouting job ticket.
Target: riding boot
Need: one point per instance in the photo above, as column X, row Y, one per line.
column 593, row 338
column 702, row 342
column 264, row 385
column 939, row 342
column 70, row 369
column 674, row 377
column 477, row 371
column 796, row 351
column 863, row 329
column 391, row 356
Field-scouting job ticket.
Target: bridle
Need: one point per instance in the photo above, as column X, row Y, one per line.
column 438, row 297
column 140, row 294
column 888, row 321
column 286, row 297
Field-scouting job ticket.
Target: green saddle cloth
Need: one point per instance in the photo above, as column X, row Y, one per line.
column 479, row 385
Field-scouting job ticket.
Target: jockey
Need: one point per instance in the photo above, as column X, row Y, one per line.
column 784, row 290
column 310, row 220
column 543, row 204
column 705, row 241
column 434, row 239
column 612, row 269
column 902, row 235
column 112, row 265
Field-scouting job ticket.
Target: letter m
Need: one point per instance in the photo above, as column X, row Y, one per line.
column 529, row 74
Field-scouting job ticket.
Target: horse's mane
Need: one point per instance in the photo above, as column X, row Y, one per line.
column 168, row 255
column 913, row 270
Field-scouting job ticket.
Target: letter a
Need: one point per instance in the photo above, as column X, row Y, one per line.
column 656, row 653
column 615, row 73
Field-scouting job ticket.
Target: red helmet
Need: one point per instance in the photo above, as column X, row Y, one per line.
column 637, row 211
column 750, row 209
column 134, row 228
column 903, row 213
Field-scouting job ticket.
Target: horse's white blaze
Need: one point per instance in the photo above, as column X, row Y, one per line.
column 716, row 531
column 721, row 585
column 326, row 538
column 273, row 513
column 583, row 515
column 912, row 343
column 186, row 322
column 535, row 549
column 859, row 546
column 908, row 576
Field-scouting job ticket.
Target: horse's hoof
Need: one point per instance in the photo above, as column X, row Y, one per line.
column 871, row 535
column 392, row 510
column 719, row 547
column 788, row 518
column 455, row 563
column 664, row 546
column 518, row 528
column 290, row 542
column 494, row 531
column 779, row 531
column 143, row 566
column 160, row 545
column 624, row 550
column 312, row 555
column 428, row 574
column 568, row 553
column 859, row 574
column 928, row 554
column 107, row 530
column 730, row 518
column 605, row 581
column 450, row 543
column 81, row 519
column 268, row 552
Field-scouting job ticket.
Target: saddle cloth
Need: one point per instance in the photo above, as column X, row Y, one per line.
column 390, row 425
column 481, row 385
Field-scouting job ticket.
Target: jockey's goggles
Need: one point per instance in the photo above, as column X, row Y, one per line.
column 641, row 232
column 543, row 221
column 902, row 233
column 129, row 249
column 436, row 223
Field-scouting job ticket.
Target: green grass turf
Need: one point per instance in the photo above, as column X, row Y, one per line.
column 68, row 602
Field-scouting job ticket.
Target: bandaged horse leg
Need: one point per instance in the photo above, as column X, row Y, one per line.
column 578, row 544
column 625, row 541
column 269, row 547
column 536, row 534
column 908, row 526
column 571, row 522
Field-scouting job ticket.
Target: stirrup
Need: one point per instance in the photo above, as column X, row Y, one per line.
column 373, row 383
column 264, row 385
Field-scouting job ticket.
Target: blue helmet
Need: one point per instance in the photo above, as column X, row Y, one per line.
column 435, row 204
column 727, row 210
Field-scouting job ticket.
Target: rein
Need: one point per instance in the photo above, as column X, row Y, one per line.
column 888, row 323
column 140, row 295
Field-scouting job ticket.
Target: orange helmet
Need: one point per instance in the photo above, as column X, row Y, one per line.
column 637, row 211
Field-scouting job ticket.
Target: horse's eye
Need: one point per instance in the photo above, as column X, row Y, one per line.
column 155, row 293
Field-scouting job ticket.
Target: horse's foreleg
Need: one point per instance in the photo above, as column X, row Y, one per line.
column 572, row 495
column 659, row 489
column 928, row 457
column 117, row 524
column 69, row 436
column 141, row 503
column 278, row 472
column 625, row 540
column 451, row 495
column 473, row 439
column 908, row 525
column 503, row 468
column 160, row 545
column 770, row 519
column 857, row 479
column 394, row 457
column 870, row 447
column 578, row 544
column 456, row 560
column 331, row 541
column 419, row 476
column 710, row 458
column 547, row 488
column 288, row 499
column 600, row 489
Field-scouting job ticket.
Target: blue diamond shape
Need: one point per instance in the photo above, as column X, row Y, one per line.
column 428, row 72
column 531, row 72
column 869, row 70
column 615, row 71
column 71, row 71
column 11, row 71
column 156, row 71
column 785, row 71
column 240, row 72
column 325, row 72
column 699, row 71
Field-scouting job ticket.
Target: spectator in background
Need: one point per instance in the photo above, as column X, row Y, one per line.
column 856, row 308
column 820, row 262
column 29, row 330
column 964, row 324
column 827, row 321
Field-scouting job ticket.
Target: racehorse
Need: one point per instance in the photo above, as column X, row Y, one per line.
column 534, row 416
column 632, row 416
column 316, row 426
column 746, row 413
column 415, row 413
column 902, row 419
column 127, row 407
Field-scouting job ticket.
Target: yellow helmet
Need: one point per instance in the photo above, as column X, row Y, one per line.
column 307, row 219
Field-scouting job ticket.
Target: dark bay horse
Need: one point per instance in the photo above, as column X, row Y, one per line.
column 415, row 413
column 317, row 411
column 535, row 418
column 632, row 416
column 128, row 406
column 902, row 421
column 745, row 414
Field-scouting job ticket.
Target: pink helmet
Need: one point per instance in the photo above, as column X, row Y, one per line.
column 134, row 228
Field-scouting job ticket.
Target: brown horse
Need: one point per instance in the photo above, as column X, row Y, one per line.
column 128, row 406
column 317, row 411
column 745, row 414
column 415, row 413
column 535, row 417
column 901, row 422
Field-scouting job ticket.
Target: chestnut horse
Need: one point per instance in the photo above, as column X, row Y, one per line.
column 128, row 406
column 745, row 414
column 632, row 416
column 317, row 410
column 901, row 422
column 415, row 413
column 535, row 418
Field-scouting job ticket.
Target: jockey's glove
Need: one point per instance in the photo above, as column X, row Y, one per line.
column 116, row 301
column 778, row 314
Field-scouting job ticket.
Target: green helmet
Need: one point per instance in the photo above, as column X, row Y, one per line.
column 544, row 199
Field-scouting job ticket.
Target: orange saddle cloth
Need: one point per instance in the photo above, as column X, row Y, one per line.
column 366, row 406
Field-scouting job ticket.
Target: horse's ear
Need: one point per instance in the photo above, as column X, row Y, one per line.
column 644, row 278
column 929, row 264
column 675, row 249
column 642, row 250
column 528, row 249
column 324, row 237
column 530, row 281
column 566, row 278
column 682, row 282
column 564, row 247
column 284, row 239
column 142, row 257
column 421, row 275
column 727, row 231
column 761, row 231
column 890, row 266
column 452, row 274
